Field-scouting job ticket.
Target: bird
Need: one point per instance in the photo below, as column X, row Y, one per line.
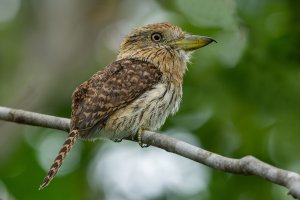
column 136, row 92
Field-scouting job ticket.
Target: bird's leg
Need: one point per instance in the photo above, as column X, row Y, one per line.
column 139, row 137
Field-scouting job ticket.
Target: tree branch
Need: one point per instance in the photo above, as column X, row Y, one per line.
column 247, row 165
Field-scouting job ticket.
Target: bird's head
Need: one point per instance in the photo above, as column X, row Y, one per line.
column 162, row 44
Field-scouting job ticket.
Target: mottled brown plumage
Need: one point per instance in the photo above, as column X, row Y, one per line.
column 136, row 92
column 110, row 90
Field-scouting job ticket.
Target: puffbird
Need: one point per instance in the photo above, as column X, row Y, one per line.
column 136, row 92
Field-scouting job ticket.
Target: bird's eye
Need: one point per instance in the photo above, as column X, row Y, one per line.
column 156, row 37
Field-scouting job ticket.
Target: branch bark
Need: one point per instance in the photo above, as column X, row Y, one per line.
column 247, row 165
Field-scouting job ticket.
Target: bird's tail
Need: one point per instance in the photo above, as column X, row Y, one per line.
column 73, row 135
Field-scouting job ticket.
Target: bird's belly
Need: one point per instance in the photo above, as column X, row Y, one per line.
column 148, row 112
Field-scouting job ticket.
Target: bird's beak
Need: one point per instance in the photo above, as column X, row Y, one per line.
column 191, row 42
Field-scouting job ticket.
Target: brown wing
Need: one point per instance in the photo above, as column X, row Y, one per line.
column 95, row 100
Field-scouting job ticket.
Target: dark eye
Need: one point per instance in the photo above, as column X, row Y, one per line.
column 156, row 37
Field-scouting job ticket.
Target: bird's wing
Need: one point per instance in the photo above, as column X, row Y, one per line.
column 95, row 100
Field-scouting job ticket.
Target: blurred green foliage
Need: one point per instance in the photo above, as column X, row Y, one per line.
column 241, row 95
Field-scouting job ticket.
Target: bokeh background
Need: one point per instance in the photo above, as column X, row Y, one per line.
column 241, row 97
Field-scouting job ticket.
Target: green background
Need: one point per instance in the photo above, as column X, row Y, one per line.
column 241, row 95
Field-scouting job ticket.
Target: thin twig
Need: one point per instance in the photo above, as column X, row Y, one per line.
column 247, row 165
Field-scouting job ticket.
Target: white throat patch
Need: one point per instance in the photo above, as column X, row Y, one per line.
column 185, row 55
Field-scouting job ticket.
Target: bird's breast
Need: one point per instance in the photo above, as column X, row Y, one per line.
column 149, row 111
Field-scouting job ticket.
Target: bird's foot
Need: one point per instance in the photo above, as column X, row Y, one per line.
column 117, row 140
column 139, row 138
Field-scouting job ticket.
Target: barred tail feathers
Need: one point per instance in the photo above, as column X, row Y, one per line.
column 68, row 144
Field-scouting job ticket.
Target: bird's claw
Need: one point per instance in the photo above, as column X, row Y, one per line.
column 139, row 138
column 117, row 140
